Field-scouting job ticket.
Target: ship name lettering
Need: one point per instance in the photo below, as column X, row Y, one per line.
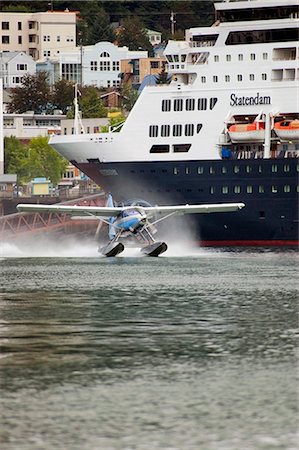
column 245, row 101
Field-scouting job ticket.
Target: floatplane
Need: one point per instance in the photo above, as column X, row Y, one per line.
column 134, row 224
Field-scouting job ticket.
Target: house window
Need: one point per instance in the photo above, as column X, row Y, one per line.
column 21, row 66
column 104, row 66
column 190, row 104
column 47, row 53
column 46, row 38
column 239, row 77
column 165, row 130
column 227, row 78
column 94, row 66
column 178, row 104
column 104, row 55
column 202, row 104
column 19, row 40
column 19, row 26
column 189, row 129
column 17, row 80
column 5, row 39
column 115, row 66
column 215, row 78
column 154, row 64
column 5, row 25
column 166, row 105
column 58, row 38
column 177, row 130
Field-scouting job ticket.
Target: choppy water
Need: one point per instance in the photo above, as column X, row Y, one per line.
column 181, row 352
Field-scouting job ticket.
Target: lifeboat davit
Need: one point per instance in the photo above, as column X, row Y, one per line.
column 287, row 130
column 250, row 132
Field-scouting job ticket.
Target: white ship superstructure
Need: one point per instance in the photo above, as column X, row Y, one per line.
column 233, row 96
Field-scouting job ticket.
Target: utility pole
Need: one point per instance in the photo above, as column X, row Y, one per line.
column 1, row 129
column 172, row 22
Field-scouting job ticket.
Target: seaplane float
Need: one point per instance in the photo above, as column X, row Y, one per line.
column 134, row 224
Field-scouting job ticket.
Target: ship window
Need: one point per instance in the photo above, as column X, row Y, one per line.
column 297, row 188
column 177, row 130
column 261, row 189
column 199, row 170
column 286, row 168
column 265, row 55
column 224, row 189
column 159, row 149
column 153, row 130
column 187, row 171
column 248, row 169
column 262, row 36
column 213, row 102
column 189, row 129
column 251, row 77
column 166, row 105
column 264, row 76
column 177, row 148
column 274, row 189
column 190, row 104
column 240, row 57
column 236, row 169
column 202, row 104
column 199, row 127
column 287, row 188
column 237, row 189
column 249, row 189
column 215, row 78
column 203, row 79
column 297, row 167
column 252, row 56
column 212, row 170
column 178, row 104
column 176, row 58
column 212, row 189
column 216, row 58
column 227, row 78
column 260, row 169
column 239, row 77
column 274, row 168
column 228, row 58
column 175, row 171
column 262, row 214
column 169, row 57
column 165, row 130
column 224, row 169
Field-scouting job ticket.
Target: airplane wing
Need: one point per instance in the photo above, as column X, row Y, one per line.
column 110, row 211
column 193, row 209
column 78, row 211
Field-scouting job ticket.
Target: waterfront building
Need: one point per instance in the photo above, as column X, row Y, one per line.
column 29, row 125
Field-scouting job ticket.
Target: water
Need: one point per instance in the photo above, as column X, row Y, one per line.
column 186, row 351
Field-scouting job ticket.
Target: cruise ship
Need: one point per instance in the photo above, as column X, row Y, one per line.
column 226, row 129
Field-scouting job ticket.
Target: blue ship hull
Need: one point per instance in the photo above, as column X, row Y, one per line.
column 268, row 187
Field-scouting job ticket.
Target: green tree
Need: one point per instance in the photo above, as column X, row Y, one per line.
column 129, row 96
column 44, row 161
column 33, row 95
column 133, row 35
column 38, row 159
column 63, row 95
column 90, row 103
column 94, row 25
column 163, row 77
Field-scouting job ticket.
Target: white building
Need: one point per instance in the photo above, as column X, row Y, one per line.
column 13, row 66
column 40, row 35
column 155, row 37
column 29, row 125
column 99, row 64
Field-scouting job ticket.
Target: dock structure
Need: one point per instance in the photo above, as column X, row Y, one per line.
column 19, row 225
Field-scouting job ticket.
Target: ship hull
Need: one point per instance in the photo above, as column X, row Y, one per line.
column 267, row 187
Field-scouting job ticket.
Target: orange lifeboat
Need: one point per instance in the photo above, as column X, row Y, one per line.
column 287, row 129
column 250, row 132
